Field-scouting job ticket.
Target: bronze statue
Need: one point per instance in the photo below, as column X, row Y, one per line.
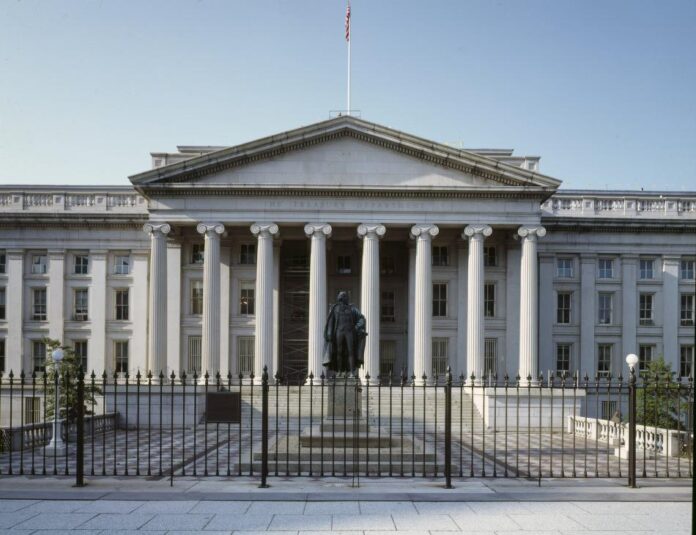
column 344, row 336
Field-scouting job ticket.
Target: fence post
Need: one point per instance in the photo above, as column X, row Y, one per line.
column 80, row 445
column 632, row 428
column 264, row 429
column 448, row 429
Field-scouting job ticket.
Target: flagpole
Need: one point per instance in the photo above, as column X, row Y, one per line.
column 348, row 38
column 348, row 110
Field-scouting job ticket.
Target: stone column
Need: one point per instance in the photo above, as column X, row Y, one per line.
column 547, row 313
column 670, row 313
column 588, row 312
column 97, row 312
column 629, row 307
column 157, row 342
column 474, row 314
column 56, row 294
column 318, row 304
column 423, row 302
column 14, row 313
column 263, row 341
column 369, row 296
column 529, row 303
column 139, row 310
column 210, row 344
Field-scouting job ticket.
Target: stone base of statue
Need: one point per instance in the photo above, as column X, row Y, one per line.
column 344, row 398
column 347, row 437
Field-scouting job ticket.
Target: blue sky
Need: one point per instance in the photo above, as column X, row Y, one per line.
column 603, row 91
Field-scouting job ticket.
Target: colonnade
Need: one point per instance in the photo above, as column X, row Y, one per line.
column 370, row 233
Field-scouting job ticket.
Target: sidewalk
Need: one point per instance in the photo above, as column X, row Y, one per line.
column 315, row 507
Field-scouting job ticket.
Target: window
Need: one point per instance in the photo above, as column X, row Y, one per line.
column 606, row 301
column 564, row 268
column 121, row 305
column 38, row 311
column 687, row 309
column 39, row 264
column 686, row 361
column 246, row 298
column 440, row 256
column 3, row 262
column 2, row 304
column 563, row 308
column 38, row 355
column 387, row 357
column 387, row 265
column 80, row 348
column 440, row 358
column 606, row 268
column 245, row 355
column 439, row 300
column 2, row 355
column 387, row 306
column 195, row 353
column 122, row 265
column 343, row 265
column 81, row 304
column 645, row 356
column 489, row 300
column 490, row 256
column 197, row 250
column 32, row 410
column 196, row 298
column 81, row 266
column 563, row 359
column 247, row 254
column 490, row 357
column 121, row 356
column 647, row 268
column 646, row 309
column 608, row 410
column 688, row 268
column 604, row 360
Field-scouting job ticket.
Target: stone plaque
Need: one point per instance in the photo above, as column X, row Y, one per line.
column 223, row 408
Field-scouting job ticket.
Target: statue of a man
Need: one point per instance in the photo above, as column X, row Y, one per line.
column 344, row 334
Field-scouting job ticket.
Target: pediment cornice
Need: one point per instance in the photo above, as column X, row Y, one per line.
column 191, row 171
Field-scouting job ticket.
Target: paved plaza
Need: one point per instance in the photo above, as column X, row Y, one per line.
column 297, row 506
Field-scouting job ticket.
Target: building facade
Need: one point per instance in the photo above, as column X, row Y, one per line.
column 226, row 259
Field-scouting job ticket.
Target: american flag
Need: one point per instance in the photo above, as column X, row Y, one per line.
column 348, row 22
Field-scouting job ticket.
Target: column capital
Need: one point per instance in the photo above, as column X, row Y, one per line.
column 152, row 227
column 477, row 230
column 531, row 232
column 425, row 230
column 372, row 230
column 264, row 229
column 210, row 229
column 317, row 228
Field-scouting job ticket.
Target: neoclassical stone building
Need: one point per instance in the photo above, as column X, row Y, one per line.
column 226, row 258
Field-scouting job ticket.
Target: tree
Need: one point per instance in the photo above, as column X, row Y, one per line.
column 659, row 400
column 69, row 369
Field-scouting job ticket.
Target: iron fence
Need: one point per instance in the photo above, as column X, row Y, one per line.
column 398, row 426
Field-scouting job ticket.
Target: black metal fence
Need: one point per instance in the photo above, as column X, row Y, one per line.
column 447, row 427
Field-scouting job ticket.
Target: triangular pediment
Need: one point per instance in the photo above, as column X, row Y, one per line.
column 344, row 153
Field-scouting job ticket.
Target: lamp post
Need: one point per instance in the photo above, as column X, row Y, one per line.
column 57, row 440
column 632, row 360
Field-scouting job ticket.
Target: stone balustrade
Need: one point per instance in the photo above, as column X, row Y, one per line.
column 615, row 205
column 650, row 441
column 76, row 201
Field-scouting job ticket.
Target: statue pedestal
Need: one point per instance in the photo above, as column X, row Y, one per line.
column 345, row 398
